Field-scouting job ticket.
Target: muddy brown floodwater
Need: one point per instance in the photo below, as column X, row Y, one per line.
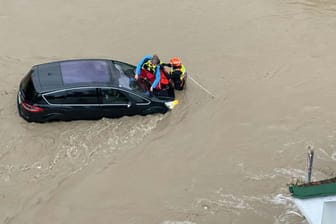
column 269, row 63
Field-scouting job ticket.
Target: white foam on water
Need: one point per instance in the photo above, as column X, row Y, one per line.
column 290, row 217
column 103, row 138
column 278, row 172
column 281, row 199
column 333, row 156
column 228, row 202
column 286, row 204
column 237, row 204
column 79, row 144
column 262, row 176
column 290, row 172
column 288, row 144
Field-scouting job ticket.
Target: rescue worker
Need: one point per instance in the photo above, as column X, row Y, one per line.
column 149, row 68
column 176, row 72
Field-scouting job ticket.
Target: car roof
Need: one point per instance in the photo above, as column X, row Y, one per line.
column 77, row 73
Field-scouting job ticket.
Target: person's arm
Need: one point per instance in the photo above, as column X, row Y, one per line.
column 166, row 67
column 141, row 62
column 157, row 77
column 166, row 64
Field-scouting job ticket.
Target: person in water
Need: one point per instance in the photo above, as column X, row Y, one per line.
column 176, row 72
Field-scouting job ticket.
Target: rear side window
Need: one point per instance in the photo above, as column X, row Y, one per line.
column 27, row 87
column 73, row 96
column 56, row 98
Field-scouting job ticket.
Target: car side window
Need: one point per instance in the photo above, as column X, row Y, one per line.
column 114, row 96
column 81, row 96
column 56, row 97
column 73, row 96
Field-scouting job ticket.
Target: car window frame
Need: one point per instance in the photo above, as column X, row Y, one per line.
column 113, row 104
column 123, row 91
column 68, row 104
column 99, row 96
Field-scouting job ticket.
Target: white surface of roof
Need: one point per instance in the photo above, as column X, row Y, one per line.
column 320, row 210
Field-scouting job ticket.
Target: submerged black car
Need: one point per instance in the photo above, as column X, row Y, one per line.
column 88, row 89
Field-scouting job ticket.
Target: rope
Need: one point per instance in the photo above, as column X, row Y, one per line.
column 202, row 87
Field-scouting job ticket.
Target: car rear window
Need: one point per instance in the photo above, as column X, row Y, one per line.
column 85, row 71
column 27, row 86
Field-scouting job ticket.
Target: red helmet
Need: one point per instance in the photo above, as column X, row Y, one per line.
column 175, row 61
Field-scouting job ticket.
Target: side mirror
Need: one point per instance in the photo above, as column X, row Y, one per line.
column 129, row 104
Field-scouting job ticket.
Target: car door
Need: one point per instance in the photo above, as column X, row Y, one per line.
column 116, row 103
column 84, row 102
column 76, row 103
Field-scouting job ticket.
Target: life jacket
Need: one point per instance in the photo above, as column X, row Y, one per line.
column 149, row 66
column 163, row 78
column 180, row 69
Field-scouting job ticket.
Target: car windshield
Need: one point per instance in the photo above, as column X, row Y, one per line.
column 126, row 79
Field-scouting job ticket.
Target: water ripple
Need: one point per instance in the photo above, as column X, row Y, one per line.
column 321, row 6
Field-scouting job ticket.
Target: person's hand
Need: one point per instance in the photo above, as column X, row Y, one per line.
column 136, row 77
column 151, row 89
column 166, row 69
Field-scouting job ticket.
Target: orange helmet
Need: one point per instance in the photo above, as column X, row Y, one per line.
column 175, row 61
